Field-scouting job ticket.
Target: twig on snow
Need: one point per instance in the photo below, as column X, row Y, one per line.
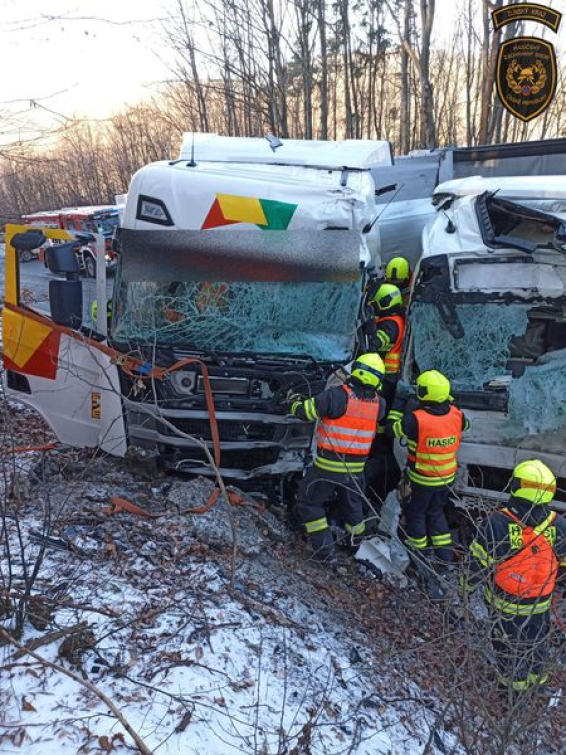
column 142, row 747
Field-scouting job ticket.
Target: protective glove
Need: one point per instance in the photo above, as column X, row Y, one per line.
column 293, row 398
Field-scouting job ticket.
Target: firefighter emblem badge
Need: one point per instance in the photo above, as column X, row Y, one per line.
column 526, row 76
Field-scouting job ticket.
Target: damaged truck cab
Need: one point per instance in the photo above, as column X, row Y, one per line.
column 489, row 311
column 247, row 255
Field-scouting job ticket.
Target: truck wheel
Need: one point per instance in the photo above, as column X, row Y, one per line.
column 89, row 265
column 26, row 255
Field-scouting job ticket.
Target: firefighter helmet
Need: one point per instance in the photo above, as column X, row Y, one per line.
column 398, row 270
column 533, row 481
column 369, row 369
column 433, row 386
column 387, row 296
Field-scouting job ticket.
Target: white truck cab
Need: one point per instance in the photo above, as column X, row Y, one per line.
column 248, row 255
column 489, row 311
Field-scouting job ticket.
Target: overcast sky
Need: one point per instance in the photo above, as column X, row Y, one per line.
column 85, row 65
column 97, row 66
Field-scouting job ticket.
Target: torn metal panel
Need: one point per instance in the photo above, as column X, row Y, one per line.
column 388, row 557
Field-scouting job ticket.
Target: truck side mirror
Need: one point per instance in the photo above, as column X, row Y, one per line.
column 65, row 296
column 66, row 302
column 25, row 242
column 62, row 259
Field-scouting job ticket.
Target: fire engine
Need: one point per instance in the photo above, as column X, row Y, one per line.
column 83, row 222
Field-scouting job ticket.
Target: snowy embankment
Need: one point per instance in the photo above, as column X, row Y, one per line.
column 203, row 647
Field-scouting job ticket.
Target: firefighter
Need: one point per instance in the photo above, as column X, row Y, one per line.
column 432, row 426
column 347, row 417
column 94, row 312
column 516, row 554
column 386, row 333
column 398, row 273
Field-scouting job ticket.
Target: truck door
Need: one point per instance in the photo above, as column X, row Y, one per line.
column 64, row 375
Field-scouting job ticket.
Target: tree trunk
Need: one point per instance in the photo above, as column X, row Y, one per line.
column 405, row 115
column 321, row 13
column 427, row 124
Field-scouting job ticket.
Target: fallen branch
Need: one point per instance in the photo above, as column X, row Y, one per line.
column 231, row 519
column 142, row 747
column 48, row 638
column 266, row 611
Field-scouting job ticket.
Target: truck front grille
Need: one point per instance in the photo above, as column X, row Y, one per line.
column 229, row 430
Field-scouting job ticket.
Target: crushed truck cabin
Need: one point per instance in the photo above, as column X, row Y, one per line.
column 239, row 280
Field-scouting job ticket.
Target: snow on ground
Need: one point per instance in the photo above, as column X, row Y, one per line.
column 281, row 663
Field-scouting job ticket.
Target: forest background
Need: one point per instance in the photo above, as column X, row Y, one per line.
column 406, row 71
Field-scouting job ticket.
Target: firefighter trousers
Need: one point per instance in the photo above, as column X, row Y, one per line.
column 314, row 496
column 425, row 522
column 520, row 644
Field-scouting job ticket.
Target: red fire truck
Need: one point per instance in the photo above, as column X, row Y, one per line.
column 83, row 222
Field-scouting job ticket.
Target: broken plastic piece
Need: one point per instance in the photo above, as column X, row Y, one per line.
column 388, row 557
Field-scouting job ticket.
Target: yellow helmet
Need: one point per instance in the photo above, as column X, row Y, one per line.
column 387, row 296
column 533, row 481
column 433, row 386
column 398, row 270
column 369, row 369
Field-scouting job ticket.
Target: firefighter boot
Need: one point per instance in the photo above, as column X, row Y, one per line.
column 322, row 544
column 426, row 575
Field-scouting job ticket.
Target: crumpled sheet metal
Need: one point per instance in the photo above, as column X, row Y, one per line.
column 386, row 554
column 388, row 557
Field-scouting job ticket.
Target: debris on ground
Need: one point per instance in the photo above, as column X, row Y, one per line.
column 213, row 632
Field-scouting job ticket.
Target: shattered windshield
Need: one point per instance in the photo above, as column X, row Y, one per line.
column 301, row 319
column 516, row 347
column 108, row 224
column 481, row 354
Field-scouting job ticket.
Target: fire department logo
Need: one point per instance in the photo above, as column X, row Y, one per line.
column 526, row 76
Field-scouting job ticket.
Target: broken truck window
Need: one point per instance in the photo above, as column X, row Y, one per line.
column 483, row 351
column 302, row 319
column 516, row 347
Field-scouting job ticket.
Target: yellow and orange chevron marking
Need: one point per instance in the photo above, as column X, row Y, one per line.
column 30, row 347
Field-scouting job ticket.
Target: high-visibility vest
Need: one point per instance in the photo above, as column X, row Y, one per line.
column 532, row 568
column 432, row 459
column 343, row 444
column 392, row 359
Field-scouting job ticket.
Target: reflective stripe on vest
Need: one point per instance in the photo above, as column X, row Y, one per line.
column 392, row 359
column 516, row 609
column 432, row 460
column 351, row 434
